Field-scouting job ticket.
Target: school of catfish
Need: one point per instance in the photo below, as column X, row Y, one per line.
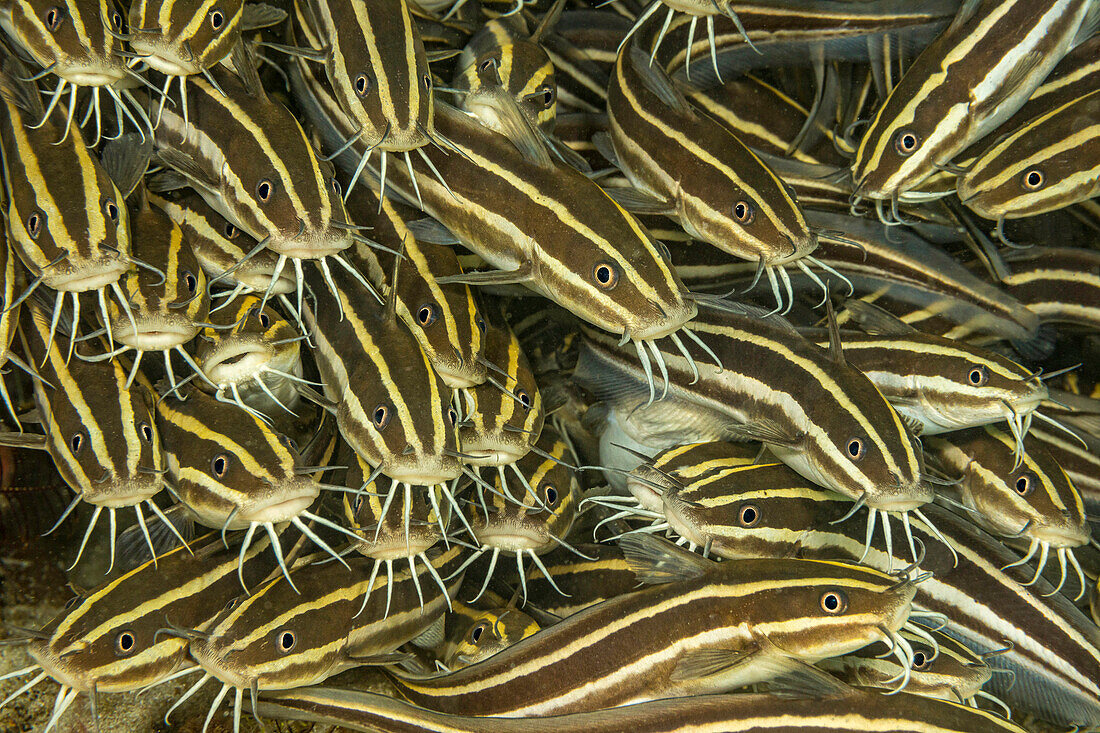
column 654, row 365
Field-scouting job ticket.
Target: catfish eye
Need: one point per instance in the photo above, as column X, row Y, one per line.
column 264, row 189
column 452, row 416
column 230, row 231
column 921, row 660
column 362, row 85
column 428, row 81
column 744, row 212
column 336, row 186
column 550, row 495
column 606, row 275
column 76, row 442
column 978, row 376
column 357, row 504
column 546, row 97
column 285, row 640
column 856, row 449
column 834, row 601
column 1024, row 484
column 478, row 631
column 190, row 281
column 34, row 224
column 265, row 320
column 749, row 515
column 480, row 324
column 487, row 64
column 220, row 465
column 524, row 399
column 54, row 17
column 288, row 442
column 231, row 605
column 146, row 431
column 380, row 417
column 217, row 19
column 1033, row 179
column 110, row 208
column 426, row 315
column 906, row 142
column 116, row 21
column 125, row 643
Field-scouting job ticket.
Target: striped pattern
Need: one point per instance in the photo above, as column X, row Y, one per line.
column 569, row 226
column 966, row 83
column 628, row 648
column 503, row 418
column 58, row 196
column 101, row 434
column 85, row 649
column 445, row 319
column 328, row 633
column 392, row 408
column 220, row 246
column 810, row 407
column 699, row 169
column 853, row 713
column 942, row 384
column 184, row 37
column 1058, row 284
column 1007, row 493
column 240, row 145
column 230, row 467
column 374, row 45
column 474, row 635
column 1050, row 163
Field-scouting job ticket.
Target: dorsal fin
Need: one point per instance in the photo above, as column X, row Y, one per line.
column 13, row 85
column 553, row 15
column 245, row 66
column 126, row 160
column 656, row 561
column 876, row 321
column 391, row 297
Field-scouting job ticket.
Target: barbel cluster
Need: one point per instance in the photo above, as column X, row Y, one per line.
column 579, row 367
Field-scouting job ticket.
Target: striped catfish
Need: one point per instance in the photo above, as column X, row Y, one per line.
column 702, row 627
column 473, row 634
column 99, row 428
column 1052, row 668
column 399, row 527
column 71, row 238
column 107, row 639
column 221, row 247
column 161, row 305
column 528, row 522
column 685, row 165
column 575, row 245
column 814, row 411
column 1052, row 162
column 939, row 384
column 275, row 640
column 1059, row 284
column 972, row 78
column 182, row 38
column 445, row 319
column 1028, row 497
column 390, row 405
column 503, row 418
column 947, row 669
column 252, row 355
column 846, row 712
column 9, row 321
column 78, row 41
column 232, row 470
column 377, row 69
column 248, row 157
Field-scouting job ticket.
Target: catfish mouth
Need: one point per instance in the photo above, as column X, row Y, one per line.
column 673, row 317
column 154, row 333
column 285, row 506
column 511, row 537
column 61, row 670
column 91, row 74
column 423, row 470
column 124, row 492
column 391, row 545
column 163, row 56
column 314, row 247
column 236, row 362
column 92, row 275
column 1061, row 536
column 492, row 450
column 260, row 279
column 456, row 375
